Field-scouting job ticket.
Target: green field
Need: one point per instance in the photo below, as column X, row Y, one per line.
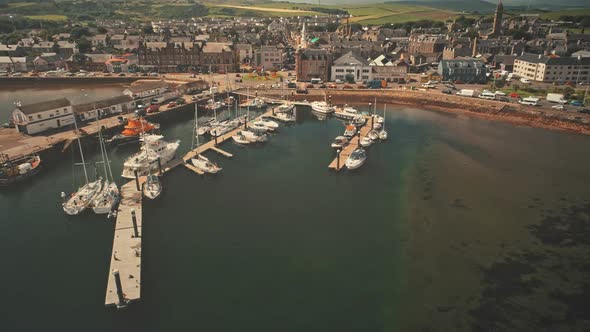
column 49, row 17
column 573, row 12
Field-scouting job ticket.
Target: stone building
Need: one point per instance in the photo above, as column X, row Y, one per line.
column 465, row 70
column 312, row 63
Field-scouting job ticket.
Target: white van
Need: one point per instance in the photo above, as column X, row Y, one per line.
column 316, row 81
column 487, row 95
column 529, row 101
column 466, row 93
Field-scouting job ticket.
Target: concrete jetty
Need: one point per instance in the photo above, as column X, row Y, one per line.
column 354, row 143
column 124, row 278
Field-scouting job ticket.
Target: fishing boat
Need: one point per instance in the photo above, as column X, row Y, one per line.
column 106, row 200
column 373, row 134
column 81, row 198
column 340, row 142
column 284, row 108
column 152, row 188
column 213, row 105
column 240, row 138
column 350, row 131
column 366, row 142
column 359, row 120
column 356, row 159
column 146, row 159
column 133, row 130
column 383, row 133
column 346, row 113
column 321, row 107
column 253, row 135
column 17, row 170
column 199, row 161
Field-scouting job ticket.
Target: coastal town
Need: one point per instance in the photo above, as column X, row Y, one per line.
column 244, row 80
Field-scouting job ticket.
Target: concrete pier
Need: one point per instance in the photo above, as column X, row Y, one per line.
column 347, row 150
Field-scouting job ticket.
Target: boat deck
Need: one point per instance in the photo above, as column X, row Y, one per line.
column 354, row 143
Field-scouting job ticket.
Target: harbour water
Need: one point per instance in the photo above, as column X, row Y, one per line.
column 452, row 224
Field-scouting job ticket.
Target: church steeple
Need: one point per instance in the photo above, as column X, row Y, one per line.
column 497, row 28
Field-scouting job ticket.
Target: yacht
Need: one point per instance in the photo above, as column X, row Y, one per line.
column 206, row 126
column 258, row 126
column 284, row 108
column 205, row 165
column 254, row 135
column 146, row 159
column 340, row 142
column 271, row 125
column 82, row 198
column 356, row 159
column 350, row 131
column 106, row 200
column 152, row 188
column 383, row 133
column 366, row 141
column 285, row 117
column 240, row 138
column 256, row 103
column 213, row 105
column 346, row 113
column 321, row 107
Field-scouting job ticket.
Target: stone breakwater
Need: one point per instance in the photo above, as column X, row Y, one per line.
column 494, row 110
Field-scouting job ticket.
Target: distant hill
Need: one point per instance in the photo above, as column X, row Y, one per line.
column 456, row 5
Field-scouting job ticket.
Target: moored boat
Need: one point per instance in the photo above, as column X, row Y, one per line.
column 17, row 170
column 321, row 107
column 133, row 130
column 356, row 159
column 366, row 142
column 350, row 131
column 146, row 159
column 346, row 113
column 255, row 135
column 205, row 165
column 152, row 188
column 239, row 138
column 340, row 142
column 373, row 134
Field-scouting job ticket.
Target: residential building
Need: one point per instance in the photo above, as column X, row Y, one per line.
column 387, row 68
column 541, row 68
column 218, row 57
column 351, row 68
column 146, row 89
column 312, row 63
column 426, row 44
column 38, row 117
column 168, row 56
column 245, row 54
column 465, row 70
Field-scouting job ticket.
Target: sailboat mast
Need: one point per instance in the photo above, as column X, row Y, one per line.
column 384, row 112
column 81, row 152
column 195, row 129
column 102, row 151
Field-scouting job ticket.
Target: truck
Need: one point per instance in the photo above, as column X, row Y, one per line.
column 466, row 93
column 556, row 98
column 376, row 84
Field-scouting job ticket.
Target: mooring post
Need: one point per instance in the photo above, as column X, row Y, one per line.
column 136, row 180
column 338, row 159
column 134, row 220
column 119, row 288
column 372, row 120
column 215, row 139
column 160, row 165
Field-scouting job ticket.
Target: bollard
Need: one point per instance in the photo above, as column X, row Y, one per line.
column 120, row 294
column 215, row 140
column 372, row 120
column 160, row 165
column 136, row 180
column 338, row 159
column 134, row 220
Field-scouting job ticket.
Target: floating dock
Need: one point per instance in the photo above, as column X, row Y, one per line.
column 124, row 278
column 354, row 143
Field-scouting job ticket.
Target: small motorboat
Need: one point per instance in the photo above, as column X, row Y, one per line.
column 377, row 125
column 254, row 135
column 350, row 131
column 366, row 142
column 205, row 165
column 258, row 126
column 340, row 142
column 240, row 138
column 271, row 125
column 382, row 135
column 285, row 117
column 359, row 120
column 152, row 188
column 356, row 159
column 373, row 134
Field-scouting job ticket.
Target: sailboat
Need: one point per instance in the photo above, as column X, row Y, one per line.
column 106, row 200
column 199, row 161
column 82, row 198
column 383, row 133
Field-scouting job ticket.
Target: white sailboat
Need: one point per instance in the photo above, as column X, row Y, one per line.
column 82, row 198
column 254, row 135
column 239, row 138
column 106, row 200
column 383, row 133
column 269, row 124
column 199, row 161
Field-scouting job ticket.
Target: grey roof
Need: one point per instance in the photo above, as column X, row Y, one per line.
column 146, row 85
column 350, row 58
column 102, row 103
column 553, row 60
column 44, row 106
column 462, row 63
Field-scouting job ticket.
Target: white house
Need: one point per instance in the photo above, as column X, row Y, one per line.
column 105, row 107
column 146, row 89
column 352, row 68
column 35, row 118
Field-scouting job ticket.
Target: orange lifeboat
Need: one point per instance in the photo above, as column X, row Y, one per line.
column 136, row 126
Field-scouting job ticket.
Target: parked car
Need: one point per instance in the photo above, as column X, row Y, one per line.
column 515, row 95
column 238, row 80
column 108, row 74
column 332, row 86
column 504, row 99
column 153, row 108
column 347, row 87
column 171, row 104
column 292, row 85
column 459, row 82
column 323, row 86
column 525, row 81
column 153, row 74
column 238, row 75
column 500, row 93
column 360, row 86
column 276, row 86
column 576, row 103
column 121, row 74
column 310, row 86
column 585, row 111
column 339, row 81
column 180, row 101
column 447, row 91
column 260, row 86
column 558, row 107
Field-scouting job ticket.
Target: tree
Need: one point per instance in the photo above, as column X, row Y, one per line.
column 147, row 29
column 102, row 30
column 84, row 45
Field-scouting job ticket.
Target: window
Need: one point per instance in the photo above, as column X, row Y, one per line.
column 30, row 118
column 38, row 116
column 56, row 112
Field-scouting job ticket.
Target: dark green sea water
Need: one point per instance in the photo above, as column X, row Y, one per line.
column 453, row 224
